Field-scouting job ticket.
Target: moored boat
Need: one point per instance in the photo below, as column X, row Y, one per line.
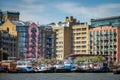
column 41, row 69
column 8, row 66
column 116, row 71
column 24, row 66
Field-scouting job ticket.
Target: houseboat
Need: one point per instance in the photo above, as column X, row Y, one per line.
column 8, row 66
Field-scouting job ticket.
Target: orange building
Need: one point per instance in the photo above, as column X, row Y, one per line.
column 105, row 40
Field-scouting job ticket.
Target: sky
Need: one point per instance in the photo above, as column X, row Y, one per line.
column 47, row 11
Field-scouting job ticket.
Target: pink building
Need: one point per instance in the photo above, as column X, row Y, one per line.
column 33, row 41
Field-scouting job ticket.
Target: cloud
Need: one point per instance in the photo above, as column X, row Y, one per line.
column 32, row 8
column 29, row 1
column 102, row 10
column 46, row 11
column 29, row 10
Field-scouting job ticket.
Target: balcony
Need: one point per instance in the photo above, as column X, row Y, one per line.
column 33, row 35
column 33, row 45
column 33, row 30
column 115, row 33
column 33, row 40
column 33, row 50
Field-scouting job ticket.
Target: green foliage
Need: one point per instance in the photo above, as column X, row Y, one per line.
column 46, row 61
column 92, row 59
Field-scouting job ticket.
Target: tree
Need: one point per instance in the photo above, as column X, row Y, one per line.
column 96, row 59
column 81, row 59
column 91, row 59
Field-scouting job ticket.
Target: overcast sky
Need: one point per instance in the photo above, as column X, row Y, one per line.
column 47, row 11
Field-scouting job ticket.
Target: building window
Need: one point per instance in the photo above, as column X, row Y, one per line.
column 84, row 46
column 78, row 42
column 59, row 55
column 83, row 50
column 78, row 29
column 83, row 37
column 7, row 29
column 83, row 33
column 33, row 30
column 77, row 46
column 83, row 29
column 83, row 42
column 78, row 37
column 61, row 30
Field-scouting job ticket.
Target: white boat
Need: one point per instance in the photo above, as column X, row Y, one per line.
column 98, row 66
column 24, row 66
column 41, row 68
column 60, row 67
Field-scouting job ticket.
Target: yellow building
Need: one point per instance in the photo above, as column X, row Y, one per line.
column 79, row 39
column 9, row 25
column 9, row 39
column 71, row 37
column 63, row 45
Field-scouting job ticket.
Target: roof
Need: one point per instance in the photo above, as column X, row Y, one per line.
column 65, row 24
column 107, row 18
column 21, row 23
column 11, row 12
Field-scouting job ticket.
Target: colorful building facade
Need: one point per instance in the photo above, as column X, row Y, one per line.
column 27, row 37
column 63, row 46
column 79, row 39
column 22, row 30
column 33, row 41
column 104, row 38
column 71, row 38
column 47, row 42
column 9, row 40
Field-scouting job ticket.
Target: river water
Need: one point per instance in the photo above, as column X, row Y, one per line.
column 59, row 76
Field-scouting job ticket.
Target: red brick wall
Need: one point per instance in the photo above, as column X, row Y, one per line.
column 118, row 38
column 118, row 46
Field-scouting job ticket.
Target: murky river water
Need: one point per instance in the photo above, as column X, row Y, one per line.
column 59, row 76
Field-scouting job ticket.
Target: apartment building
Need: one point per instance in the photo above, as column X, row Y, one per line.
column 71, row 37
column 104, row 38
column 63, row 46
column 47, row 42
column 79, row 38
column 8, row 41
column 33, row 50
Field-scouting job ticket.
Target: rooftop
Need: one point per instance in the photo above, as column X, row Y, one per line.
column 21, row 23
column 106, row 18
column 11, row 12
